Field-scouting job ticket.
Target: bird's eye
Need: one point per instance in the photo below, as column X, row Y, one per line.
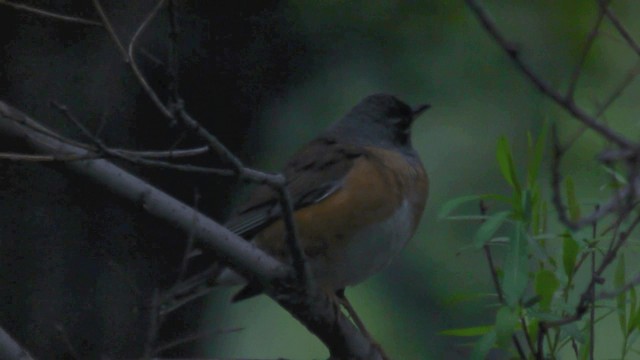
column 401, row 122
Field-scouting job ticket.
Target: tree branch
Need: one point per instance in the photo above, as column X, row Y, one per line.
column 10, row 349
column 176, row 111
column 618, row 25
column 110, row 30
column 49, row 14
column 312, row 308
column 565, row 102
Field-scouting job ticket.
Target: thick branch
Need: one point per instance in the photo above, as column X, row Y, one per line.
column 246, row 257
column 10, row 349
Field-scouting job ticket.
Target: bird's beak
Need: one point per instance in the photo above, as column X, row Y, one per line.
column 418, row 110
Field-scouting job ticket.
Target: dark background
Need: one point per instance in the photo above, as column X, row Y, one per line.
column 78, row 265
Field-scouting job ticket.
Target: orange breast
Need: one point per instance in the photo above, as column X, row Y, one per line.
column 372, row 190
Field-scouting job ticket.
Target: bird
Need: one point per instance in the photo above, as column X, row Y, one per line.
column 358, row 192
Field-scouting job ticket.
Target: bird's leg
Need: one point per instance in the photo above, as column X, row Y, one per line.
column 342, row 299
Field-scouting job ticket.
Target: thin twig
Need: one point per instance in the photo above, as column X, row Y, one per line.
column 173, row 52
column 133, row 157
column 85, row 131
column 632, row 74
column 193, row 337
column 527, row 336
column 188, row 290
column 134, row 65
column 189, row 121
column 44, row 158
column 155, row 321
column 566, row 103
column 617, row 92
column 216, row 146
column 297, row 254
column 618, row 25
column 542, row 331
column 103, row 119
column 65, row 339
column 604, row 295
column 556, row 178
column 496, row 283
column 130, row 156
column 49, row 14
column 110, row 30
column 585, row 297
column 153, row 58
column 613, row 204
column 198, row 291
column 276, row 181
column 42, row 130
column 487, row 252
column 164, row 154
column 592, row 313
column 175, row 167
column 577, row 71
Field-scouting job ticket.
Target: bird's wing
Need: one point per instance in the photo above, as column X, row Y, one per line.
column 314, row 173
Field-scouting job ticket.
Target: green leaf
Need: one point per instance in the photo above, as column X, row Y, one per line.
column 527, row 204
column 536, row 219
column 546, row 286
column 527, row 303
column 453, row 204
column 572, row 200
column 634, row 315
column 574, row 332
column 584, row 350
column 621, row 299
column 466, row 297
column 633, row 307
column 534, row 327
column 544, row 222
column 535, row 210
column 488, row 228
column 542, row 316
column 617, row 179
column 570, row 250
column 483, row 346
column 634, row 323
column 632, row 340
column 469, row 331
column 533, row 167
column 506, row 322
column 517, row 204
column 505, row 161
column 516, row 267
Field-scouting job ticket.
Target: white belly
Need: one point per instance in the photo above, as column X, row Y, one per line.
column 371, row 250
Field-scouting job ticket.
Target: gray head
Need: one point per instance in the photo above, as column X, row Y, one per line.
column 378, row 120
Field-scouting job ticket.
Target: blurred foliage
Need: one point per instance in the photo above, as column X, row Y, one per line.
column 436, row 51
column 545, row 282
